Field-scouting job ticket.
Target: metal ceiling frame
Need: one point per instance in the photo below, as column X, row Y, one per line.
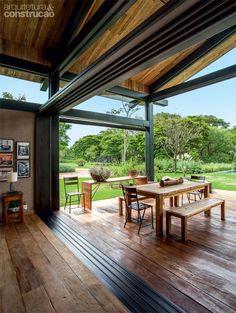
column 173, row 28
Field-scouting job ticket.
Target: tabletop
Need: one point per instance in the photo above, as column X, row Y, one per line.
column 155, row 189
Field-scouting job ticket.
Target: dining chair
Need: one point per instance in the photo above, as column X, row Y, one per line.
column 132, row 203
column 192, row 196
column 71, row 188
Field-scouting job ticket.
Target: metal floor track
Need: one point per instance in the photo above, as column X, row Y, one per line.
column 132, row 291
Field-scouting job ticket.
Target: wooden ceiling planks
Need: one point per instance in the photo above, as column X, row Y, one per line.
column 30, row 38
column 209, row 58
column 150, row 75
column 19, row 74
column 138, row 13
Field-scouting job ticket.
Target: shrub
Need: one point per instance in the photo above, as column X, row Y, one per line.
column 80, row 162
column 123, row 169
column 66, row 169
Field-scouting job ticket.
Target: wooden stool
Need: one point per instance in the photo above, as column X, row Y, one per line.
column 8, row 197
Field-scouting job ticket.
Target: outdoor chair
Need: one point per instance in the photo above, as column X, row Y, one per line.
column 193, row 195
column 71, row 187
column 132, row 203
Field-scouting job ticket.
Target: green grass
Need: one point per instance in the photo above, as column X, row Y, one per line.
column 104, row 191
column 224, row 181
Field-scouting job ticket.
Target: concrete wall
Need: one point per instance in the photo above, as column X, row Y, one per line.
column 19, row 126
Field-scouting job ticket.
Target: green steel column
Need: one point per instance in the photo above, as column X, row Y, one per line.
column 149, row 141
column 47, row 158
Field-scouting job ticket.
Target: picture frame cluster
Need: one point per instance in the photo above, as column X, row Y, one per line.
column 8, row 154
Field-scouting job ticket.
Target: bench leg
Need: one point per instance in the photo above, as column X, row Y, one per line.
column 120, row 207
column 183, row 229
column 223, row 210
column 168, row 223
column 207, row 213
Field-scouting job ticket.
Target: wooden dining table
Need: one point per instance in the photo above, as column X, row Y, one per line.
column 160, row 193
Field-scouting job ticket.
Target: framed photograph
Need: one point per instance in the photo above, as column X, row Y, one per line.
column 22, row 150
column 3, row 173
column 23, row 168
column 6, row 159
column 6, row 145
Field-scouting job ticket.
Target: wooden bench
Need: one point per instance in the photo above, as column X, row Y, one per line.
column 186, row 211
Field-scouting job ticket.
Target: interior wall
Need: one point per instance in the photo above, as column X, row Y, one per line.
column 19, row 126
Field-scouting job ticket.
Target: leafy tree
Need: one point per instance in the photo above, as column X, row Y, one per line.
column 87, row 147
column 128, row 110
column 179, row 134
column 63, row 136
column 8, row 95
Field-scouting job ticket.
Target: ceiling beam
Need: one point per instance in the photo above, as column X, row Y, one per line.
column 76, row 19
column 17, row 105
column 203, row 81
column 175, row 27
column 205, row 48
column 107, row 14
column 125, row 92
column 104, row 119
column 23, row 65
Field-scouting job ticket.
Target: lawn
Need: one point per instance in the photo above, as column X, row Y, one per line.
column 104, row 191
column 225, row 181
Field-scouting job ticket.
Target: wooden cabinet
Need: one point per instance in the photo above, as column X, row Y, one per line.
column 13, row 216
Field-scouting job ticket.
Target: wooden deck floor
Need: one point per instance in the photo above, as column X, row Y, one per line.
column 198, row 276
column 38, row 274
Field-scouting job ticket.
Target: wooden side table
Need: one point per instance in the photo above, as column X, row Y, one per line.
column 16, row 216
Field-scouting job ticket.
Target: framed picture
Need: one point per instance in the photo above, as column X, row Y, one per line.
column 3, row 173
column 23, row 168
column 22, row 150
column 6, row 145
column 6, row 159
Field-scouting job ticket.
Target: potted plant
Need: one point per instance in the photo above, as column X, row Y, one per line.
column 133, row 172
column 99, row 173
column 13, row 206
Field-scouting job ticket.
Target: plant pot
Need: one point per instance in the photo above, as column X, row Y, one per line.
column 133, row 173
column 97, row 177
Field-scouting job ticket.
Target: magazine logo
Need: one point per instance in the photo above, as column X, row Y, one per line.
column 28, row 10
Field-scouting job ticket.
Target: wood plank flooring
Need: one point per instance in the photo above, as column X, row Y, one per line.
column 39, row 274
column 198, row 276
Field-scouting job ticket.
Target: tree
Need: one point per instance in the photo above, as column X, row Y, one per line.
column 8, row 95
column 64, row 139
column 128, row 110
column 178, row 136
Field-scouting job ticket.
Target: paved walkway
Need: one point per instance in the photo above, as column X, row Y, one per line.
column 80, row 172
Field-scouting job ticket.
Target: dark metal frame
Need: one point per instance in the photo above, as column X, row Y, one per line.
column 203, row 81
column 176, row 26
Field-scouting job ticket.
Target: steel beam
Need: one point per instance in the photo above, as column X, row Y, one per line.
column 23, row 65
column 19, row 105
column 206, row 80
column 107, row 14
column 205, row 48
column 176, row 26
column 121, row 121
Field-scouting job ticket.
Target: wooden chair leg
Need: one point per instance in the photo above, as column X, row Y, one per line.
column 223, row 210
column 183, row 229
column 152, row 217
column 168, row 223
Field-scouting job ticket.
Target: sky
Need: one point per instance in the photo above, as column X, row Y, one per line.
column 218, row 99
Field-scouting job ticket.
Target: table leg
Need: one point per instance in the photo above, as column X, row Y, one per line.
column 176, row 200
column 87, row 191
column 206, row 195
column 159, row 215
